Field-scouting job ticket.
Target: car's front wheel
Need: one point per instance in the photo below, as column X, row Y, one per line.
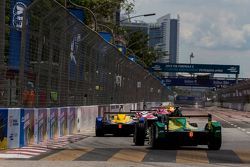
column 139, row 135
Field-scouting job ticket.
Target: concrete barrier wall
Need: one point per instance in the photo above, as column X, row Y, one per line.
column 235, row 106
column 24, row 126
column 210, row 104
column 86, row 118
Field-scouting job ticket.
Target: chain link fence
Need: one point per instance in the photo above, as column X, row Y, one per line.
column 239, row 93
column 65, row 63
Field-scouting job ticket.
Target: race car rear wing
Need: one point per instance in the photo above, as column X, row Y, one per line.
column 127, row 113
column 168, row 117
column 142, row 110
column 209, row 116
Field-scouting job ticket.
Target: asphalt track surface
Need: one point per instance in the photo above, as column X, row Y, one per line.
column 120, row 151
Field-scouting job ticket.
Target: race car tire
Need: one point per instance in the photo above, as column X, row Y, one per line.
column 214, row 142
column 214, row 139
column 99, row 133
column 139, row 135
column 153, row 140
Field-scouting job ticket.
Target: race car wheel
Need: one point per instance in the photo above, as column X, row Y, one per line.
column 99, row 132
column 139, row 135
column 214, row 138
column 214, row 142
column 153, row 140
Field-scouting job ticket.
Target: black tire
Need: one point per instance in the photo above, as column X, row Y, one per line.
column 214, row 143
column 139, row 135
column 99, row 133
column 153, row 140
column 193, row 124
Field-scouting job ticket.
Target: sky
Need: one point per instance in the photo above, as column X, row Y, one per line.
column 216, row 31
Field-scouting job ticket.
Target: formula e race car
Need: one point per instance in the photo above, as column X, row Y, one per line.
column 174, row 131
column 117, row 123
column 145, row 119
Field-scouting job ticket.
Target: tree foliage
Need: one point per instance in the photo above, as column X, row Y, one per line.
column 138, row 43
column 105, row 8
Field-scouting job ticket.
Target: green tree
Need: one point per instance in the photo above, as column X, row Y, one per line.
column 138, row 43
column 105, row 8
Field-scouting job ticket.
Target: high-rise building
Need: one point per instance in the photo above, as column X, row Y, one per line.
column 164, row 36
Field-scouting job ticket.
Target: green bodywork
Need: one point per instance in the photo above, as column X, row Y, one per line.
column 182, row 125
column 178, row 131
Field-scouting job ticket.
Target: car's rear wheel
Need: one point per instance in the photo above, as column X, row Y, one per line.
column 99, row 132
column 214, row 142
column 153, row 140
column 139, row 135
column 214, row 139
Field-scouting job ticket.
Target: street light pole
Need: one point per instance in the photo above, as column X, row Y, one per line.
column 191, row 56
column 144, row 15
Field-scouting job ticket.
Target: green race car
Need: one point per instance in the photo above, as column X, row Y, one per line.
column 173, row 131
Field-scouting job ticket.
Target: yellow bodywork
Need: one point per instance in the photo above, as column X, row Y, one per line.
column 121, row 118
column 179, row 124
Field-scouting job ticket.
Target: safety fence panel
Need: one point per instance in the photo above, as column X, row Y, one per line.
column 65, row 63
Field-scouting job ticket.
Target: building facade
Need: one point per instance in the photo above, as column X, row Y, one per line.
column 163, row 36
column 168, row 28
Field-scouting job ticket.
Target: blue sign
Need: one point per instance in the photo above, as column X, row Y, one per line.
column 132, row 58
column 193, row 82
column 78, row 13
column 73, row 54
column 106, row 36
column 196, row 68
column 16, row 24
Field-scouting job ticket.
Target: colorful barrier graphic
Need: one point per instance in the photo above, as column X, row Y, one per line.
column 42, row 124
column 53, row 124
column 27, row 125
column 63, row 121
column 3, row 128
column 22, row 127
column 71, row 120
column 13, row 131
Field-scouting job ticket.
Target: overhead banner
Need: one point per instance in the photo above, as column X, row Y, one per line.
column 195, row 68
column 193, row 82
column 16, row 23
